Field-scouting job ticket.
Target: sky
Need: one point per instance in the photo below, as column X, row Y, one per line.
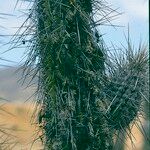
column 134, row 14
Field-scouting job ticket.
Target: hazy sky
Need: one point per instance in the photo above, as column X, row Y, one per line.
column 135, row 13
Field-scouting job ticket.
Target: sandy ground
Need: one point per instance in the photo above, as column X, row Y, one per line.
column 18, row 130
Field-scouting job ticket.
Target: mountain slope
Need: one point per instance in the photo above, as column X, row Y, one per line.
column 11, row 87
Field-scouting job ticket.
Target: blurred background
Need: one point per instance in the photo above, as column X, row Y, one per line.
column 17, row 100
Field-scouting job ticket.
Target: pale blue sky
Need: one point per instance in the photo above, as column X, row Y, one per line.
column 135, row 12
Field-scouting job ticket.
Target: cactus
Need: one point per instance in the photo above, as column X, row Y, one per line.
column 70, row 65
column 70, row 62
column 127, row 90
column 126, row 86
column 85, row 96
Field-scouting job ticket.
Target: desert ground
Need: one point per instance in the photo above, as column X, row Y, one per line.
column 19, row 131
column 18, row 128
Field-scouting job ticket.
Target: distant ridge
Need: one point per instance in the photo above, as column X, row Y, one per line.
column 11, row 87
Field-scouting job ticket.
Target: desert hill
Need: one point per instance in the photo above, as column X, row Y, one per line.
column 11, row 87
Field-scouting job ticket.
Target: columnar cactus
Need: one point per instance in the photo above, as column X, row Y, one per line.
column 83, row 104
column 71, row 65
